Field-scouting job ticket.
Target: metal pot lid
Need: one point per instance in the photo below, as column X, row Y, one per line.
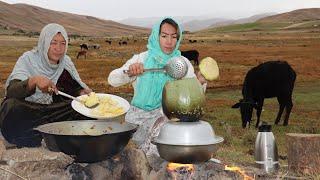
column 187, row 133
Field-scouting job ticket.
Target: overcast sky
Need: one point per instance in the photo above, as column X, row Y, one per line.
column 122, row 9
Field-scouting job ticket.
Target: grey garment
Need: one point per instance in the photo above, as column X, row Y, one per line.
column 36, row 62
column 150, row 123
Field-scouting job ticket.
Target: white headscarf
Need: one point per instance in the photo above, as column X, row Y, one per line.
column 36, row 62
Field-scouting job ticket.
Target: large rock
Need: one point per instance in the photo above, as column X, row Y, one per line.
column 2, row 148
column 135, row 163
column 99, row 172
column 37, row 163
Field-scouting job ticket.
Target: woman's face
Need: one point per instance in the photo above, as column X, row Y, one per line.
column 57, row 48
column 168, row 38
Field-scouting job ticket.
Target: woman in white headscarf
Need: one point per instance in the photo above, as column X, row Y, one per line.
column 29, row 99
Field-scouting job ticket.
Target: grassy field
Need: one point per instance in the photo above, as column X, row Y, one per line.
column 265, row 27
column 239, row 143
column 235, row 53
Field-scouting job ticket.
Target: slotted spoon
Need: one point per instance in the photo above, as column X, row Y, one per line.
column 176, row 67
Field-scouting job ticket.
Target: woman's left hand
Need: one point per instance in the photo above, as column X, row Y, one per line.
column 200, row 77
column 85, row 91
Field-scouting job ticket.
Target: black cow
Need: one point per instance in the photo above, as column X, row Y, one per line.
column 84, row 46
column 123, row 43
column 267, row 80
column 109, row 41
column 192, row 55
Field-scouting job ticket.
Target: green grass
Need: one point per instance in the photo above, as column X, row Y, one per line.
column 239, row 143
column 256, row 26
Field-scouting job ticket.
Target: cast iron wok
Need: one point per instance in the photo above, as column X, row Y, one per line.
column 87, row 140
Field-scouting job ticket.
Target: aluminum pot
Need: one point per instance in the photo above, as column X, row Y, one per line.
column 187, row 142
column 87, row 140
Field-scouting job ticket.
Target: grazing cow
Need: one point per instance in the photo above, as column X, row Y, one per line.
column 267, row 80
column 84, row 46
column 123, row 43
column 109, row 41
column 96, row 46
column 192, row 55
column 82, row 53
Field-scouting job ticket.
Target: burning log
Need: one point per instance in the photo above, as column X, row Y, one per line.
column 303, row 153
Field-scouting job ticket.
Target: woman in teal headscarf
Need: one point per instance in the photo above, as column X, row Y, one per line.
column 146, row 111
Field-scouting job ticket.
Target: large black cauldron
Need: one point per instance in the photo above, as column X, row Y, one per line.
column 89, row 140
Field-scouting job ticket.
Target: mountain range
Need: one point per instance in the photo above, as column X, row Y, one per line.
column 27, row 18
column 30, row 18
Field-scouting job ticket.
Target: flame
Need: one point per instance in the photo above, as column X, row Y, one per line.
column 239, row 170
column 177, row 166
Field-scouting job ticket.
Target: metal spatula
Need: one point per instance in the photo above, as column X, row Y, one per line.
column 176, row 67
column 77, row 99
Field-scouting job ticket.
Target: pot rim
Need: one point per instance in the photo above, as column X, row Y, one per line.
column 133, row 127
column 216, row 140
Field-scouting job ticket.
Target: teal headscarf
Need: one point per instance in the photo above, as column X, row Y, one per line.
column 148, row 91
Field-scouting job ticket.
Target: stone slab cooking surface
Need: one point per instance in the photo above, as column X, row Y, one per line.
column 131, row 163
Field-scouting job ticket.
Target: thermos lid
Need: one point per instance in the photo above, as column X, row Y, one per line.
column 265, row 128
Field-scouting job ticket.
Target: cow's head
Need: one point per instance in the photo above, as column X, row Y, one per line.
column 246, row 108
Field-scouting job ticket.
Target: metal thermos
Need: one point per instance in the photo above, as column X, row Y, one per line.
column 266, row 152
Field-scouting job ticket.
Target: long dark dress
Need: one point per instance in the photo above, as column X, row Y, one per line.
column 18, row 117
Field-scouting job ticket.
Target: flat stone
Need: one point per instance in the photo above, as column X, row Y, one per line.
column 3, row 173
column 99, row 172
column 34, row 154
column 2, row 148
column 36, row 162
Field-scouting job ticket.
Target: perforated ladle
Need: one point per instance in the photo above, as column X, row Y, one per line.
column 176, row 67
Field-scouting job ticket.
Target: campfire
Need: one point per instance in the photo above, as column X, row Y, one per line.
column 239, row 170
column 177, row 170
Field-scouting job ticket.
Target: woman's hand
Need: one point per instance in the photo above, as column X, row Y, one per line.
column 43, row 83
column 85, row 91
column 135, row 69
column 200, row 77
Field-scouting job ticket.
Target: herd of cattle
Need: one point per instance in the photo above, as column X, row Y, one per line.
column 267, row 80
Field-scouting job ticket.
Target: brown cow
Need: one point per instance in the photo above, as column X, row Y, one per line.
column 82, row 53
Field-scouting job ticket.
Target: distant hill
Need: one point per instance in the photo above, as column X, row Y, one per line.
column 295, row 16
column 199, row 24
column 27, row 18
column 189, row 23
column 297, row 19
column 193, row 23
column 242, row 20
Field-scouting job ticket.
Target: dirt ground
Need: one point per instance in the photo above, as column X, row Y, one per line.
column 235, row 53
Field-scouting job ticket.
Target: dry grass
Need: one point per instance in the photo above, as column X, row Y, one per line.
column 237, row 53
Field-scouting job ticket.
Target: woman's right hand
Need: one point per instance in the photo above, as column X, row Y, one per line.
column 135, row 69
column 43, row 83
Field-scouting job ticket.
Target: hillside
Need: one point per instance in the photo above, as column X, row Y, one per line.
column 27, row 18
column 303, row 19
column 295, row 16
